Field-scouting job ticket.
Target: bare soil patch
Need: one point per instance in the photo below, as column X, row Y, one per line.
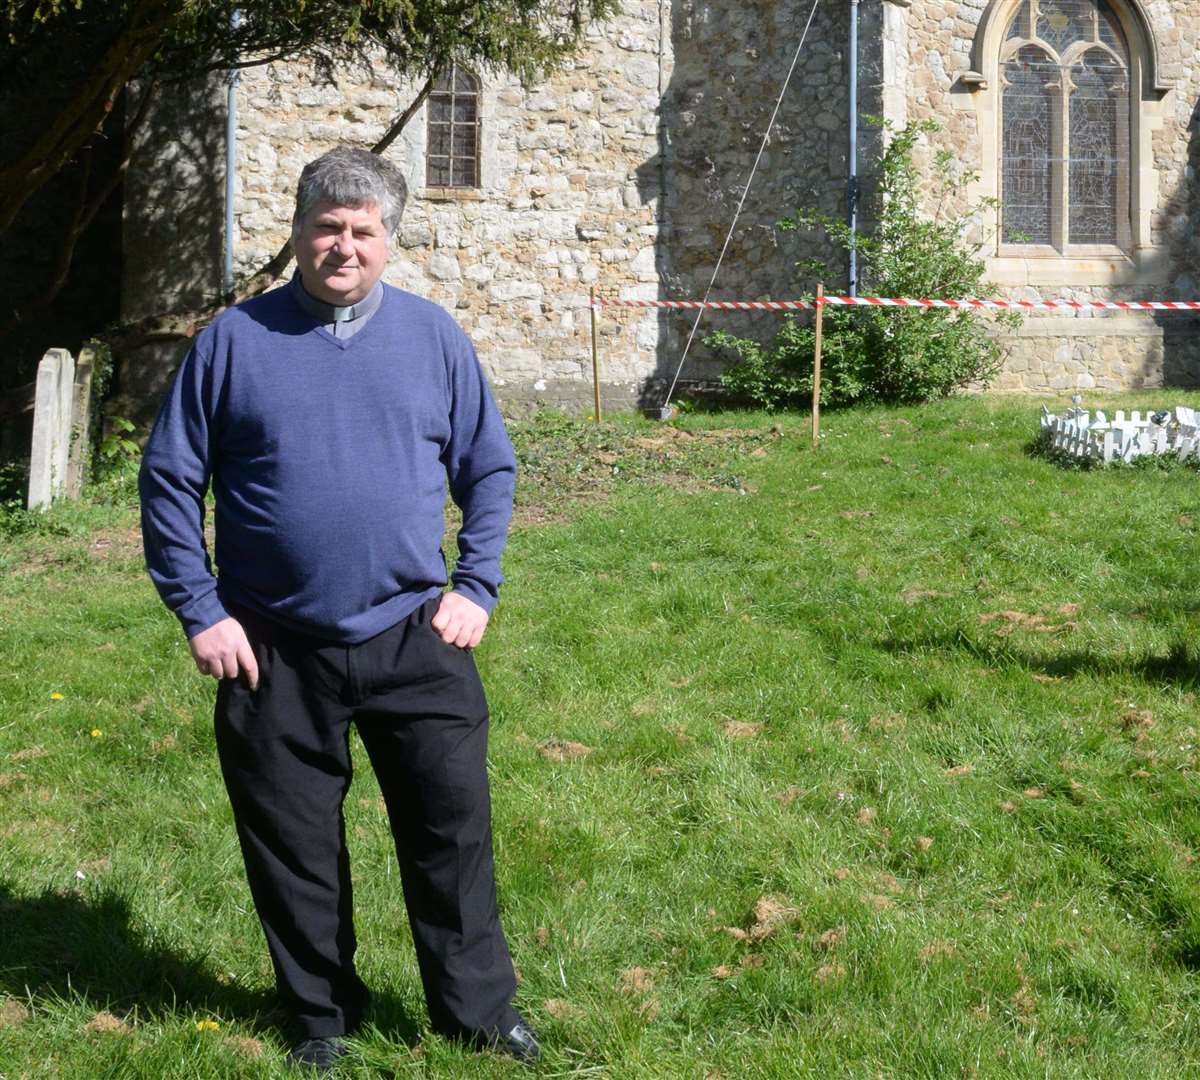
column 563, row 462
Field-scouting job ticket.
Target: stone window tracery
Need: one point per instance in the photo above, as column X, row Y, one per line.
column 1065, row 127
column 452, row 142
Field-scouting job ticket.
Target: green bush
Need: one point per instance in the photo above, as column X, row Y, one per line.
column 884, row 354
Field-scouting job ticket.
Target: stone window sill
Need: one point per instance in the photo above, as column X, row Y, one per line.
column 1088, row 267
column 452, row 194
column 1075, row 253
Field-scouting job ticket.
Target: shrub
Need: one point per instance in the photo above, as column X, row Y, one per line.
column 884, row 354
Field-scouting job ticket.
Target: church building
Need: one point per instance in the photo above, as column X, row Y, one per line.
column 622, row 172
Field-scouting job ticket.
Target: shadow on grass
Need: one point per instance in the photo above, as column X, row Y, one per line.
column 1143, row 876
column 1041, row 448
column 69, row 945
column 1179, row 666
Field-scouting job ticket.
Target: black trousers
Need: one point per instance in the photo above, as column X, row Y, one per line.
column 421, row 713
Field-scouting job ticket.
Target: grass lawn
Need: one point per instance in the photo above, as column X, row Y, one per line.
column 878, row 761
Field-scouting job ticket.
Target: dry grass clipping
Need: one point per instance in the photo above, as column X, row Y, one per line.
column 245, row 1046
column 561, row 1010
column 106, row 1023
column 12, row 1012
column 771, row 913
column 740, row 729
column 562, row 750
column 637, row 980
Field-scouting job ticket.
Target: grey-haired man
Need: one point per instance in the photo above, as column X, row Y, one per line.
column 328, row 417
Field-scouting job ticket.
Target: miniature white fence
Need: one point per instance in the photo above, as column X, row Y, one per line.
column 1078, row 433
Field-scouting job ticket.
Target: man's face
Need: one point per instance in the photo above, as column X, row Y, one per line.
column 341, row 251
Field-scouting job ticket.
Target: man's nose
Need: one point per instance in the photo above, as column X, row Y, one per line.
column 344, row 242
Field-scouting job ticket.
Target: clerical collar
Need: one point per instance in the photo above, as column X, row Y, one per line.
column 330, row 313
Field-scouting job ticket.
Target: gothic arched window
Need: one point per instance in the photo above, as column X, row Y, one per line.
column 1064, row 69
column 452, row 140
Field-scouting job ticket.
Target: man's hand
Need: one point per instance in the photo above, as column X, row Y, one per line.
column 459, row 621
column 224, row 652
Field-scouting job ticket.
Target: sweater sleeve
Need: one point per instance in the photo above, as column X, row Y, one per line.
column 481, row 468
column 176, row 467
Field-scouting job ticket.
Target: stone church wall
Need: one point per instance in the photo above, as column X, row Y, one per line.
column 567, row 200
column 622, row 173
column 929, row 50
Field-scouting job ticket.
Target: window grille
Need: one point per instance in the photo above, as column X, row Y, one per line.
column 1065, row 126
column 452, row 148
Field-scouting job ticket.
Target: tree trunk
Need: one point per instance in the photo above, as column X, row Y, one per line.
column 85, row 212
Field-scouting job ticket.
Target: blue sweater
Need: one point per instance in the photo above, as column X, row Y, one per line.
column 328, row 460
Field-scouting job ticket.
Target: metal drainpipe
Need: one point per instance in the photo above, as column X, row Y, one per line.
column 664, row 132
column 852, row 178
column 664, row 240
column 230, row 165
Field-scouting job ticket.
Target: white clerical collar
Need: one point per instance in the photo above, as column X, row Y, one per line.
column 332, row 313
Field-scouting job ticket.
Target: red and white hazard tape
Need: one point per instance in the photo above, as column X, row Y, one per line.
column 720, row 305
column 877, row 301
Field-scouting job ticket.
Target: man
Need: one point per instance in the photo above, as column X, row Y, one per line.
column 328, row 416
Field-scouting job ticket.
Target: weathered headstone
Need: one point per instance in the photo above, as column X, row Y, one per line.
column 81, row 400
column 51, row 445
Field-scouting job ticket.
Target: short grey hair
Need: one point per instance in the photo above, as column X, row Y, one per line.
column 349, row 176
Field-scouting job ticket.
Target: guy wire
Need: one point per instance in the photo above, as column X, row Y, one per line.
column 741, row 202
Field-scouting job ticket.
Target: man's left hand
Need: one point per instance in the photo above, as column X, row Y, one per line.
column 460, row 621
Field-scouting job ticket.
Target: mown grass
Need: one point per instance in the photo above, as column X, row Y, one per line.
column 879, row 761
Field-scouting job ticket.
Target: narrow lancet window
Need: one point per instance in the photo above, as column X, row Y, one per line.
column 1030, row 78
column 452, row 152
column 1098, row 102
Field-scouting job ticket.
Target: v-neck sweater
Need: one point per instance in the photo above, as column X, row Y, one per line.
column 328, row 460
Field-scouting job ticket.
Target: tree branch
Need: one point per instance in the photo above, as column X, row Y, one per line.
column 239, row 65
column 399, row 125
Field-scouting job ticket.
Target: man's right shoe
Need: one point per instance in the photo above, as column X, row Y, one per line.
column 520, row 1043
column 317, row 1056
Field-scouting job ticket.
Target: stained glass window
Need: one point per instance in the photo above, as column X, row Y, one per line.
column 452, row 151
column 1060, row 23
column 1028, row 101
column 1096, row 104
column 1110, row 30
column 1065, row 125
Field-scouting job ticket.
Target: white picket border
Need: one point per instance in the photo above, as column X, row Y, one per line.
column 1077, row 433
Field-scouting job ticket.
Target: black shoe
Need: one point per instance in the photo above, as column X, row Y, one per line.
column 521, row 1043
column 319, row 1055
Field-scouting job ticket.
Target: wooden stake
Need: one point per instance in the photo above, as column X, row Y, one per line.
column 595, row 356
column 816, row 400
